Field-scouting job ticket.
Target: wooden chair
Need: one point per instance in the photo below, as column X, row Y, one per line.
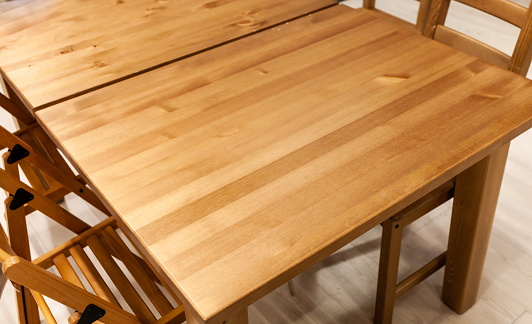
column 388, row 290
column 421, row 17
column 48, row 172
column 24, row 200
column 68, row 288
column 506, row 10
column 31, row 160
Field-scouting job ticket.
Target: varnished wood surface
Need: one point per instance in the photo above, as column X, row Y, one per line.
column 239, row 172
column 54, row 49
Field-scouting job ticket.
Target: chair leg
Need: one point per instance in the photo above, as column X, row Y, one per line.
column 28, row 312
column 291, row 288
column 392, row 233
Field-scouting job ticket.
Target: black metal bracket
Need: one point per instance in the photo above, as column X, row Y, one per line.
column 20, row 198
column 17, row 153
column 91, row 314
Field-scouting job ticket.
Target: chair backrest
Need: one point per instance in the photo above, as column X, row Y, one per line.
column 68, row 288
column 23, row 272
column 506, row 10
column 421, row 16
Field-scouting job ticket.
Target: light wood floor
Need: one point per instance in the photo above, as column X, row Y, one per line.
column 341, row 289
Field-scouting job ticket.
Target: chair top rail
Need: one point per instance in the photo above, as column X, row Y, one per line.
column 506, row 10
column 520, row 60
column 472, row 46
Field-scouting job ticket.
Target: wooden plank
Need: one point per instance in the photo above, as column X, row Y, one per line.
column 255, row 164
column 120, row 280
column 62, row 291
column 94, row 278
column 142, row 278
column 45, row 260
column 475, row 200
column 43, row 306
column 421, row 274
column 66, row 270
column 51, row 65
column 471, row 46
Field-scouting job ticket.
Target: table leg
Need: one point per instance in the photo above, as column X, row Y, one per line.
column 239, row 318
column 476, row 193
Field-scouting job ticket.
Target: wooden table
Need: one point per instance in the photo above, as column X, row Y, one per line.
column 52, row 50
column 240, row 167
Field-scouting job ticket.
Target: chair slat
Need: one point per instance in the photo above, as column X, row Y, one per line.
column 503, row 9
column 62, row 291
column 471, row 46
column 43, row 306
column 145, row 282
column 94, row 278
column 120, row 280
column 45, row 261
column 66, row 270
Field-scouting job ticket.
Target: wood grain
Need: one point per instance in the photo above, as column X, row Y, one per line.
column 56, row 49
column 42, row 281
column 252, row 165
column 509, row 11
column 476, row 196
column 100, row 287
column 44, row 308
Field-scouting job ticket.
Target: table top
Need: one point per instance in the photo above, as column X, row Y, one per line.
column 240, row 167
column 55, row 49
